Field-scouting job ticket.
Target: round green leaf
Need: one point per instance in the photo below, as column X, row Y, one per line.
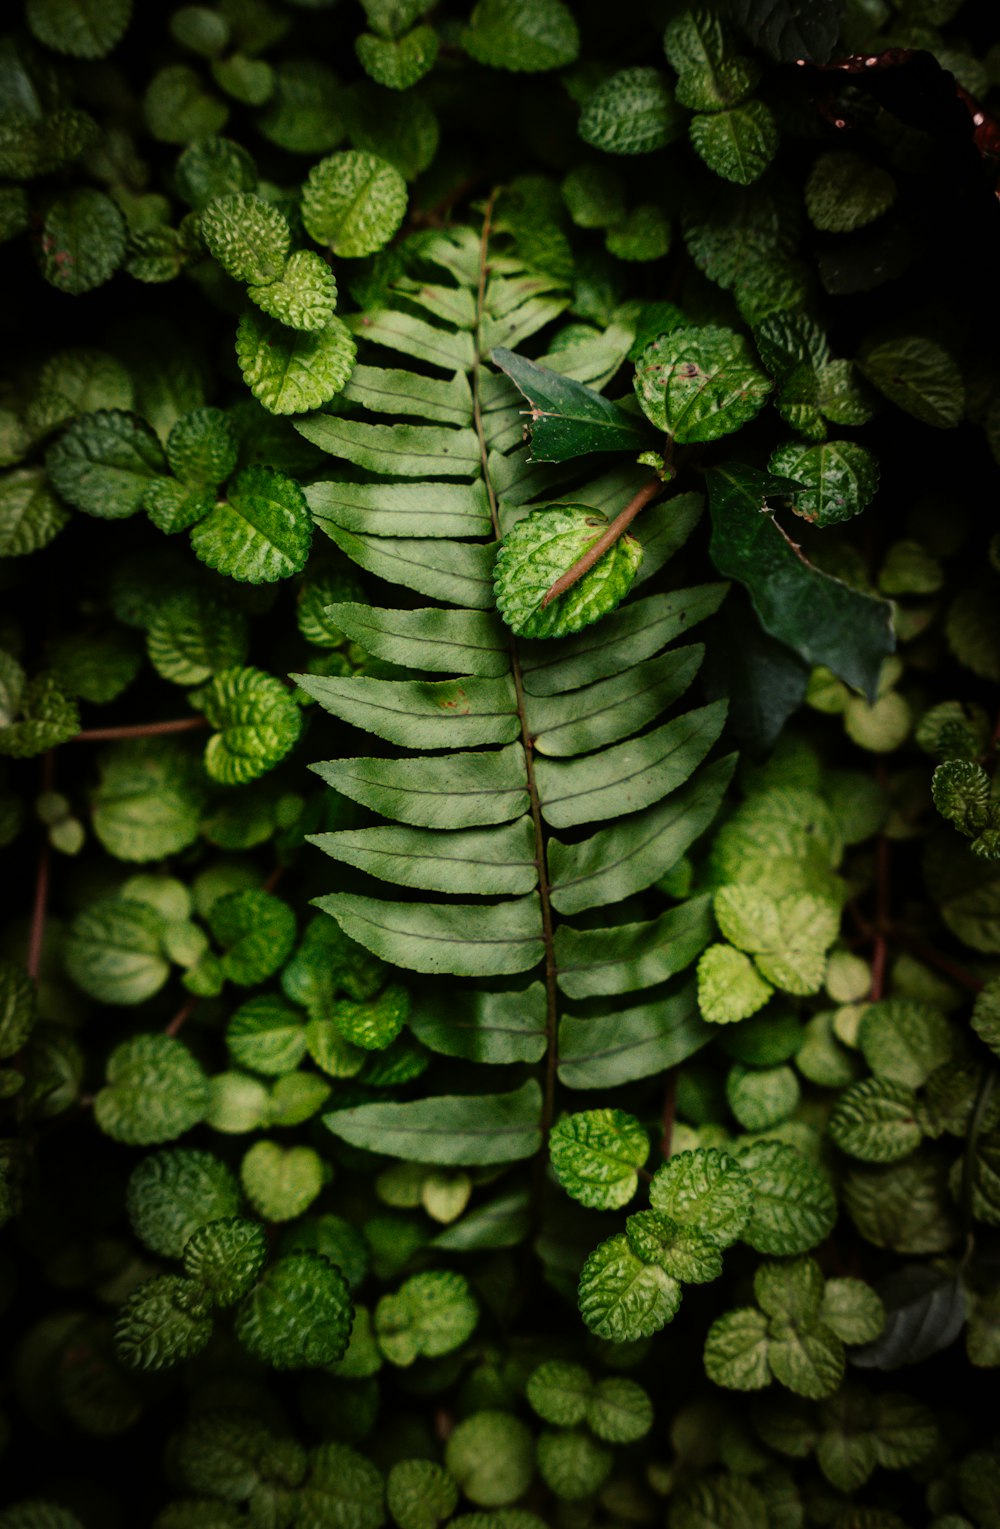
column 105, row 463
column 430, row 1315
column 257, row 722
column 281, row 1182
column 247, row 236
column 261, row 533
column 620, row 1297
column 225, row 1257
column 202, row 448
column 305, row 295
column 213, row 167
column 398, row 62
column 919, row 377
column 876, row 1121
column 353, row 203
column 171, row 1194
column 155, row 1091
column 700, row 384
column 706, row 1190
column 544, row 545
column 114, row 953
column 80, row 28
column 289, row 372
column 572, row 1464
column 619, row 1410
column 192, row 636
column 736, row 1350
column 681, row 1250
column 631, row 113
column 794, row 1207
column 595, row 1156
column 761, row 1097
column 81, row 241
column 840, row 479
column 420, row 1494
column 266, row 1035
column 904, row 1040
column 806, row 1357
column 30, row 515
column 738, row 144
column 730, row 988
column 560, row 1392
column 149, row 800
column 298, row 1315
column 845, row 192
column 643, row 235
column 491, row 1456
column 178, row 109
column 161, row 1323
column 522, row 35
column 852, row 1309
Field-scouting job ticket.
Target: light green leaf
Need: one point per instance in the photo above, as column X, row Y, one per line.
column 738, row 144
column 430, row 1315
column 794, row 1207
column 492, row 1457
column 840, row 479
column 595, row 1156
column 736, row 1350
column 113, row 951
column 155, row 1091
column 81, row 242
column 79, row 28
column 852, row 1309
column 291, row 373
column 191, row 636
column 388, row 391
column 420, row 714
column 299, row 1314
column 633, row 112
column 373, row 1025
column 481, row 860
column 448, row 1129
column 398, row 63
column 788, row 936
column 459, row 642
column 876, row 1120
column 619, row 1410
column 261, row 533
column 30, row 514
column 681, row 1250
column 761, row 1097
column 698, row 384
column 225, row 1257
column 281, row 1182
column 405, row 451
column 621, row 1298
column 791, row 1291
column 706, row 1190
column 256, row 719
column 149, row 799
column 353, row 203
column 256, row 931
column 631, row 1043
column 919, row 377
column 48, row 716
column 845, row 192
column 247, row 236
column 105, row 463
column 904, row 1041
column 266, row 1035
column 420, row 1494
column 805, row 1357
column 593, row 962
column 526, row 36
column 544, row 545
column 729, row 986
column 571, row 1463
column 173, row 1193
column 560, row 1392
column 458, row 573
column 303, row 296
column 451, row 791
column 161, row 1323
column 711, row 77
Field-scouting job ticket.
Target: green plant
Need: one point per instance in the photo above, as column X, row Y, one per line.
column 463, row 1031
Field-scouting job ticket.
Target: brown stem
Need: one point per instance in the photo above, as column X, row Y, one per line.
column 182, row 1016
column 932, row 957
column 40, row 905
column 614, row 532
column 881, row 949
column 274, row 878
column 668, row 1113
column 139, row 730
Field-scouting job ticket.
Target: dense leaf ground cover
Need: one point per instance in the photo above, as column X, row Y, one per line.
column 498, row 723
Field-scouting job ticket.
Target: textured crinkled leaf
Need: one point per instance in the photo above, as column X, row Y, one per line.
column 155, row 1091
column 303, row 297
column 633, row 112
column 47, row 716
column 840, row 479
column 430, row 1315
column 373, row 1025
column 698, row 384
column 787, row 936
column 986, row 1015
column 256, row 931
column 738, row 144
column 571, row 1463
column 398, row 62
column 451, row 1129
column 266, row 1035
column 149, row 799
column 213, row 167
column 113, row 951
column 191, row 636
column 824, row 620
column 794, row 1207
column 292, row 372
column 681, row 1250
column 730, row 988
column 420, row 1494
column 806, row 1357
column 904, row 1041
column 17, row 1008
column 248, row 237
column 736, row 1349
column 171, row 1194
column 845, row 192
column 256, row 719
column 105, row 463
column 711, row 76
column 202, row 447
column 225, row 1257
column 79, row 28
column 30, row 514
column 560, row 1392
column 595, row 1155
column 903, row 1206
column 299, row 1315
column 544, row 545
column 261, row 533
column 81, row 241
column 353, row 202
column 706, row 1190
column 566, row 418
column 522, row 35
column 852, row 1309
column 620, row 1297
column 919, row 377
column 161, row 1323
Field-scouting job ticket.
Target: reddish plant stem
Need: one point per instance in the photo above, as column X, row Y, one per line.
column 139, row 730
column 880, row 947
column 668, row 1113
column 39, row 910
column 274, row 878
column 182, row 1016
column 933, row 957
column 614, row 532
